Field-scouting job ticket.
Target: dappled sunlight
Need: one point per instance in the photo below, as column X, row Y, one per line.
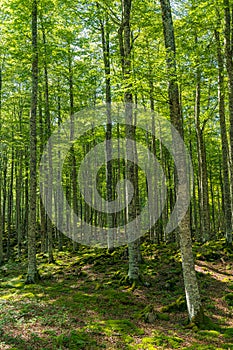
column 92, row 307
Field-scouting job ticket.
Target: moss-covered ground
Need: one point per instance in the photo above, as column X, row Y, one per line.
column 83, row 301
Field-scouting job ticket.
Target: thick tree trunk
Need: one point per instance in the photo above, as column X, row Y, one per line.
column 190, row 281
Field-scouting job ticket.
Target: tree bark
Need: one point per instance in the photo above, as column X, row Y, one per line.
column 72, row 152
column 229, row 67
column 48, row 132
column 203, row 197
column 43, row 222
column 32, row 274
column 108, row 100
column 190, row 281
column 10, row 205
column 125, row 44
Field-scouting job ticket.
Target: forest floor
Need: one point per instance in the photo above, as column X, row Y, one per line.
column 83, row 301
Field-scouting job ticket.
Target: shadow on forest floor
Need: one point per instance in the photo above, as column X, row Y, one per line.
column 83, row 302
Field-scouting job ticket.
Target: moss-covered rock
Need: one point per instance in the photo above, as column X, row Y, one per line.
column 178, row 305
column 149, row 315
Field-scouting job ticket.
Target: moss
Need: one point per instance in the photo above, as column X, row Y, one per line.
column 178, row 305
column 202, row 322
column 117, row 275
column 98, row 286
column 163, row 317
column 199, row 318
column 5, row 297
column 34, row 279
column 229, row 298
column 123, row 327
column 228, row 333
column 132, row 284
column 209, row 333
column 197, row 346
column 149, row 315
column 75, row 340
column 170, row 340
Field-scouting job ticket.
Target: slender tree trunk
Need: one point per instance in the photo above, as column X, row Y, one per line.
column 10, row 206
column 60, row 198
column 32, row 275
column 43, row 223
column 224, row 140
column 108, row 99
column 193, row 210
column 1, row 172
column 190, row 281
column 1, row 233
column 229, row 66
column 213, row 216
column 125, row 50
column 50, row 170
column 19, row 180
column 202, row 168
column 73, row 158
column 26, row 196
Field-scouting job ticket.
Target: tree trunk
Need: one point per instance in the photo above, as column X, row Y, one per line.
column 190, row 281
column 32, row 274
column 1, row 172
column 108, row 100
column 203, row 197
column 60, row 197
column 1, row 231
column 10, row 205
column 19, row 180
column 50, row 170
column 125, row 51
column 43, row 221
column 224, row 141
column 72, row 152
column 229, row 67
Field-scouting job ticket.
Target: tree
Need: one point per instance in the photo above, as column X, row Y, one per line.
column 125, row 52
column 190, row 281
column 32, row 274
column 229, row 66
column 224, row 141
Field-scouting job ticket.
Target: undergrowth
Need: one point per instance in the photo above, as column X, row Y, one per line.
column 84, row 301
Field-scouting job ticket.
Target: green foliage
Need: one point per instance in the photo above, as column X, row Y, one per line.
column 229, row 299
